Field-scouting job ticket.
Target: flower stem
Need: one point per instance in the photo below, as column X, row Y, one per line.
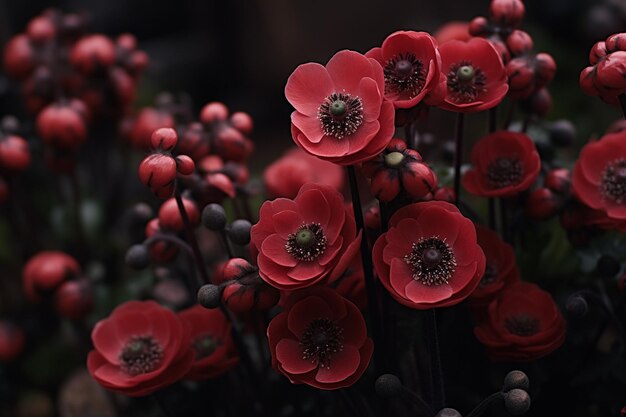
column 191, row 237
column 491, row 204
column 484, row 404
column 368, row 270
column 622, row 103
column 439, row 396
column 458, row 157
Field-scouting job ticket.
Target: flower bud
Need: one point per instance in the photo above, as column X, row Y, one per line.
column 519, row 42
column 388, row 386
column 239, row 232
column 479, row 26
column 508, row 13
column 214, row 217
column 209, row 296
column 93, row 53
column 61, row 125
column 170, row 217
column 242, row 122
column 448, row 412
column 138, row 257
column 576, row 306
column 14, row 154
column 517, row 402
column 558, row 180
column 515, row 379
column 74, row 299
column 158, row 172
column 541, row 204
column 562, row 133
column 213, row 112
column 164, row 139
column 185, row 165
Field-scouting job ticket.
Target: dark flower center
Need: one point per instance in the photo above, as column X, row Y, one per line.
column 465, row 82
column 404, row 73
column 320, row 340
column 613, row 184
column 432, row 261
column 340, row 115
column 394, row 159
column 504, row 172
column 522, row 325
column 307, row 243
column 489, row 277
column 142, row 354
column 205, row 346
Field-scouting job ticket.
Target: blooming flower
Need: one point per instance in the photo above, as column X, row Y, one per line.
column 140, row 348
column 341, row 115
column 475, row 75
column 304, row 240
column 606, row 77
column 599, row 177
column 211, row 341
column 411, row 65
column 429, row 257
column 522, row 324
column 285, row 176
column 320, row 339
column 505, row 163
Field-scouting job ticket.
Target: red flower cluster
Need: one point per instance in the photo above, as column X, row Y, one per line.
column 320, row 339
column 304, row 240
column 505, row 164
column 522, row 324
column 140, row 348
column 341, row 114
column 606, row 77
column 429, row 257
column 287, row 175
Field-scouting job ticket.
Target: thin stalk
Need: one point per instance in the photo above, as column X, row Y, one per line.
column 491, row 205
column 191, row 237
column 458, row 157
column 434, row 351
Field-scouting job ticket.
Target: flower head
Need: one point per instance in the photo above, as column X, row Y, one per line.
column 606, row 77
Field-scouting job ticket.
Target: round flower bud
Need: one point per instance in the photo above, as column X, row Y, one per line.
column 158, row 171
column 14, row 154
column 507, row 13
column 209, row 296
column 608, row 266
column 214, row 217
column 562, row 133
column 62, row 126
column 213, row 112
column 138, row 256
column 185, row 165
column 40, row 29
column 171, row 219
column 93, row 53
column 74, row 299
column 519, row 42
column 388, row 386
column 242, row 122
column 515, row 379
column 517, row 401
column 448, row 412
column 576, row 306
column 558, row 180
column 479, row 26
column 164, row 139
column 141, row 213
column 541, row 204
column 239, row 232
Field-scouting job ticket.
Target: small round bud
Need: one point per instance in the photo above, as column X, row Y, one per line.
column 184, row 165
column 479, row 26
column 515, row 379
column 517, row 401
column 209, row 296
column 576, row 306
column 10, row 124
column 138, row 256
column 239, row 232
column 242, row 122
column 388, row 386
column 448, row 412
column 141, row 213
column 558, row 180
column 562, row 133
column 164, row 138
column 213, row 112
column 608, row 266
column 214, row 217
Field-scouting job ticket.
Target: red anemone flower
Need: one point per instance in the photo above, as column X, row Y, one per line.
column 429, row 257
column 140, row 348
column 411, row 64
column 304, row 240
column 522, row 324
column 211, row 341
column 341, row 114
column 475, row 75
column 320, row 339
column 505, row 164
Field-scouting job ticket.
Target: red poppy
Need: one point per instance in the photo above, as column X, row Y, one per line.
column 140, row 348
column 46, row 271
column 599, row 178
column 399, row 169
column 429, row 257
column 411, row 65
column 476, row 77
column 214, row 349
column 320, row 339
column 500, row 267
column 505, row 163
column 341, row 114
column 606, row 77
column 523, row 324
column 284, row 177
column 304, row 240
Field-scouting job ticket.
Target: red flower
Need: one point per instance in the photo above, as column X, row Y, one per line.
column 599, row 178
column 341, row 115
column 505, row 163
column 284, row 177
column 214, row 349
column 606, row 77
column 304, row 240
column 399, row 169
column 411, row 65
column 429, row 257
column 320, row 340
column 476, row 77
column 500, row 267
column 46, row 271
column 522, row 324
column 140, row 348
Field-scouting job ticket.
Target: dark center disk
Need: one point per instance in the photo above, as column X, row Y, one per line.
column 321, row 339
column 432, row 261
column 404, row 73
column 522, row 325
column 140, row 355
column 307, row 243
column 613, row 184
column 465, row 82
column 504, row 172
column 340, row 115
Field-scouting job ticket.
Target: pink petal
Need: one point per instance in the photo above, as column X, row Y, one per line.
column 307, row 87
